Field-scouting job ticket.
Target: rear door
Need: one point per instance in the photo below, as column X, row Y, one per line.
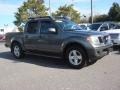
column 31, row 35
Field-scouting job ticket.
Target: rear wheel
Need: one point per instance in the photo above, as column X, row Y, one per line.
column 17, row 50
column 119, row 48
column 76, row 57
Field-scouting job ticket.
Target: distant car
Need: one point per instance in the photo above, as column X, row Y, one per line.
column 84, row 26
column 2, row 37
column 104, row 26
column 109, row 27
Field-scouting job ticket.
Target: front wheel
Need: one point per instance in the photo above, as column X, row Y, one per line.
column 17, row 51
column 76, row 57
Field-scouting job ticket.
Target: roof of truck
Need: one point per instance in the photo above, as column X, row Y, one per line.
column 50, row 17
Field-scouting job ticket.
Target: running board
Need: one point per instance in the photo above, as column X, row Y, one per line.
column 43, row 55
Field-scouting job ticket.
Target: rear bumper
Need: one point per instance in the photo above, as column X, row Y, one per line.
column 100, row 52
column 6, row 45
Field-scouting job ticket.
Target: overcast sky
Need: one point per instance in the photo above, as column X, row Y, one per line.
column 9, row 7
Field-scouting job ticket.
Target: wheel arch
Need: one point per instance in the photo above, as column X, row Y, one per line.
column 71, row 44
column 15, row 41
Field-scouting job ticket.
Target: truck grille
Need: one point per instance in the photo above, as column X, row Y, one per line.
column 100, row 39
column 114, row 36
column 104, row 39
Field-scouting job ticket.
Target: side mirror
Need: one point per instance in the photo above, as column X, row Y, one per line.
column 52, row 30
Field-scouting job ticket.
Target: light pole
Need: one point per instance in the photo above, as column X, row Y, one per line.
column 49, row 7
column 91, row 12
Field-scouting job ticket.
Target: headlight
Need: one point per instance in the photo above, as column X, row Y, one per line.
column 94, row 41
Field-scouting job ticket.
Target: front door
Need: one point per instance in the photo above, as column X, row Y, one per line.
column 49, row 41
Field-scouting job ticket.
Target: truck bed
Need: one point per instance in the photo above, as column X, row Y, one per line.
column 10, row 36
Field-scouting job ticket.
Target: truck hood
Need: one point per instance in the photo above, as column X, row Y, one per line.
column 88, row 33
column 113, row 31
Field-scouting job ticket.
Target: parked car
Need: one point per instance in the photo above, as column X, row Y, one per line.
column 59, row 37
column 84, row 26
column 2, row 37
column 104, row 26
column 109, row 27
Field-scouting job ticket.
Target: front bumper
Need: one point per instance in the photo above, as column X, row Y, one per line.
column 116, row 42
column 99, row 52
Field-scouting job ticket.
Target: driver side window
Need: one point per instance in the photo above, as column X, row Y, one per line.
column 45, row 25
column 104, row 27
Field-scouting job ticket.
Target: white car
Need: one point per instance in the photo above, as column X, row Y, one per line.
column 84, row 26
column 2, row 37
column 115, row 36
column 109, row 27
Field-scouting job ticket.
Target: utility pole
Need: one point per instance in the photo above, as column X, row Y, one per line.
column 49, row 7
column 91, row 12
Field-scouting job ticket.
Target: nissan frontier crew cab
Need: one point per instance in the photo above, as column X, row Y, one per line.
column 59, row 37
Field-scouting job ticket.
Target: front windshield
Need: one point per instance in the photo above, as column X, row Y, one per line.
column 94, row 27
column 68, row 25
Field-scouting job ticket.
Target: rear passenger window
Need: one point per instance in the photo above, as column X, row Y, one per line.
column 32, row 27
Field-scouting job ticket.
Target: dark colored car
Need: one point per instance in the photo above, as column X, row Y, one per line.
column 59, row 37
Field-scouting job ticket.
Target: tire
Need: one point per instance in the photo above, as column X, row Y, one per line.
column 119, row 49
column 76, row 57
column 17, row 51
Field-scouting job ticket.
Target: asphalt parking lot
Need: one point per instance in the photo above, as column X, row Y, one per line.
column 40, row 73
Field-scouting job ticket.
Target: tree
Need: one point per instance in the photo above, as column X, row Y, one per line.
column 114, row 12
column 40, row 1
column 84, row 19
column 31, row 8
column 101, row 18
column 68, row 10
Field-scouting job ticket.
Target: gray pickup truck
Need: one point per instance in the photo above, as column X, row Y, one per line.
column 59, row 37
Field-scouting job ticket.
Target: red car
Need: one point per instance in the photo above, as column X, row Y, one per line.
column 2, row 37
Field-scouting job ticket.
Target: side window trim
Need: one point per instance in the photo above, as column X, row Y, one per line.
column 40, row 22
column 104, row 25
column 27, row 26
